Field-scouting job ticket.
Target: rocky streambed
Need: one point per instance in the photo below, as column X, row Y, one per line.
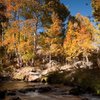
column 19, row 90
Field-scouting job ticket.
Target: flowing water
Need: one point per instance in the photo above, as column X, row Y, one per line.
column 13, row 85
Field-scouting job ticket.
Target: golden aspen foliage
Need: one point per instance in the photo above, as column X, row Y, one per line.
column 79, row 37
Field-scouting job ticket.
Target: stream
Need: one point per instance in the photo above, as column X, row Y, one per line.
column 32, row 91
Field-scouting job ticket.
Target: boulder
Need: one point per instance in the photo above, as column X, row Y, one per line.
column 50, row 68
column 55, row 67
column 27, row 74
column 32, row 77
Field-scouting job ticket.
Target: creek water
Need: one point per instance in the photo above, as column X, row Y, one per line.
column 16, row 85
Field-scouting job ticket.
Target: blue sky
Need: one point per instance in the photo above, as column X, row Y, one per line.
column 79, row 6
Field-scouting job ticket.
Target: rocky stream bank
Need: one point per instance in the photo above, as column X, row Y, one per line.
column 28, row 83
column 39, row 91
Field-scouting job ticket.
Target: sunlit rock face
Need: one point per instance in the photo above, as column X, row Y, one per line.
column 34, row 74
column 27, row 74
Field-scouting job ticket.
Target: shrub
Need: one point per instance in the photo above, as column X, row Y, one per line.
column 59, row 77
column 88, row 79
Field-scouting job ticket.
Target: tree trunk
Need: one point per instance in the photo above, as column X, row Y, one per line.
column 87, row 60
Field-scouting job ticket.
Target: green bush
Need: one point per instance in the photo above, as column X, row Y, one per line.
column 55, row 78
column 88, row 79
column 59, row 77
column 27, row 56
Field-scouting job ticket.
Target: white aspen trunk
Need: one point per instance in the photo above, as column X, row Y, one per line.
column 87, row 60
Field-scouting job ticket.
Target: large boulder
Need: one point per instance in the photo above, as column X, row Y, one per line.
column 27, row 74
column 50, row 67
column 56, row 67
column 48, row 70
column 32, row 76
